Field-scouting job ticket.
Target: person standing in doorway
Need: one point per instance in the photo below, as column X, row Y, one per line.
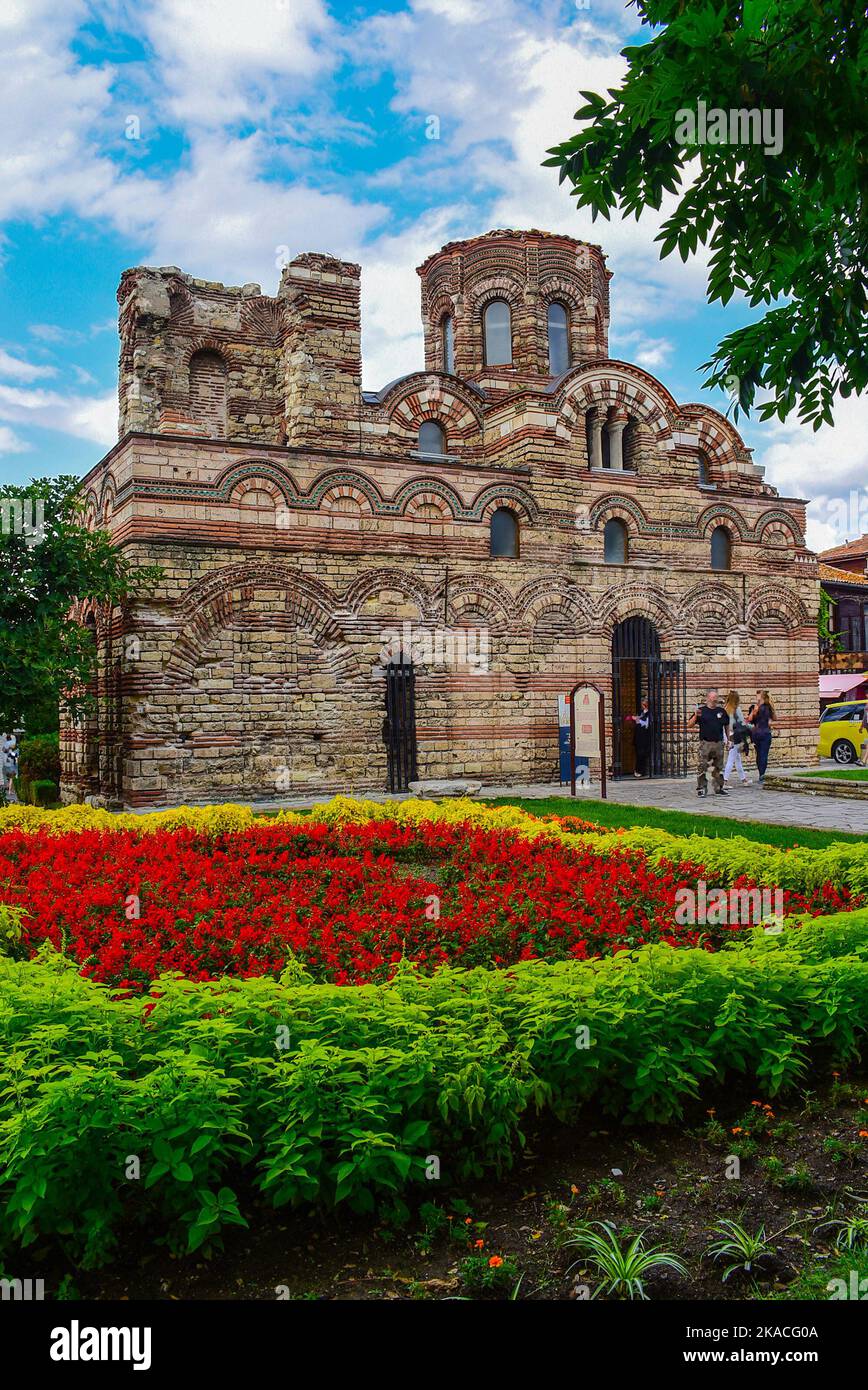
column 737, row 736
column 712, row 721
column 642, row 737
column 760, row 715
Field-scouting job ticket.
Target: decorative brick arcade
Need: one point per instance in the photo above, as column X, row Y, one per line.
column 303, row 528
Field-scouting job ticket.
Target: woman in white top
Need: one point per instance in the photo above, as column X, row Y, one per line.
column 733, row 757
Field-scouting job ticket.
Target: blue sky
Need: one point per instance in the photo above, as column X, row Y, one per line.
column 223, row 135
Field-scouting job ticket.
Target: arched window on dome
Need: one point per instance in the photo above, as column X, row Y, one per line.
column 615, row 542
column 704, row 476
column 497, row 331
column 447, row 339
column 432, row 439
column 721, row 549
column 504, row 534
column 559, row 339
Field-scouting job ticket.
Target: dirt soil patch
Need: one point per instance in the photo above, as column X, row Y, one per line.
column 805, row 1163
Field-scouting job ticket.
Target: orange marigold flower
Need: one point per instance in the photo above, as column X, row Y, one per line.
column 495, row 1262
column 863, row 1134
column 736, row 1129
column 479, row 1244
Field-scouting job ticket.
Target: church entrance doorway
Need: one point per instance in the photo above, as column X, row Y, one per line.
column 639, row 672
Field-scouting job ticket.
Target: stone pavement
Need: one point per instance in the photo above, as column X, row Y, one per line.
column 665, row 793
column 741, row 803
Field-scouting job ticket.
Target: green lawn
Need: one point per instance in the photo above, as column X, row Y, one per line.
column 609, row 813
column 842, row 774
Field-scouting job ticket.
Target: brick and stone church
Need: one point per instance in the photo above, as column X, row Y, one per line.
column 362, row 588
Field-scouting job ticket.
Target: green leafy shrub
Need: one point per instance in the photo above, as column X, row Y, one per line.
column 726, row 859
column 11, row 928
column 39, row 762
column 43, row 792
column 356, row 1095
column 488, row 1273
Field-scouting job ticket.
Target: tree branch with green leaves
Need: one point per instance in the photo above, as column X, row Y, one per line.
column 49, row 561
column 786, row 229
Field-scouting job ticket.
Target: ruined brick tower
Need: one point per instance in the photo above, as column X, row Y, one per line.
column 361, row 586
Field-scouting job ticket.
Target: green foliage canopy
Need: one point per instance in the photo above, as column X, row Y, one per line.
column 787, row 229
column 48, row 560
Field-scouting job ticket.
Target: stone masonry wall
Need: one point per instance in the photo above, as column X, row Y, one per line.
column 302, row 535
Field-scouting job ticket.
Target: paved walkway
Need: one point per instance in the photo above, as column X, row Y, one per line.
column 665, row 793
column 741, row 803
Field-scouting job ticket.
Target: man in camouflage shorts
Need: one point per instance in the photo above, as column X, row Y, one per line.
column 711, row 719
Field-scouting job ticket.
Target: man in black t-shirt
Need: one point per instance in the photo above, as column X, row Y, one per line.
column 711, row 719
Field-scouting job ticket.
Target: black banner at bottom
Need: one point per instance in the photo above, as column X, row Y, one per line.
column 87, row 1340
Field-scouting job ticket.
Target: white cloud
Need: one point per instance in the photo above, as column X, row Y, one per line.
column 830, row 465
column 392, row 343
column 53, row 333
column 650, row 353
column 11, row 443
column 248, row 89
column 221, row 60
column 644, row 288
column 508, row 92
column 93, row 418
column 455, row 11
column 19, row 370
column 222, row 217
column 49, row 109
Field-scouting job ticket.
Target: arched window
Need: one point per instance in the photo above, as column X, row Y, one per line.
column 432, row 440
column 447, row 331
column 615, row 542
column 208, row 392
column 504, row 533
column 721, row 549
column 497, row 327
column 559, row 339
column 702, row 467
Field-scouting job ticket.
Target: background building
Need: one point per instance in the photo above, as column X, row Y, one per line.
column 844, row 658
column 363, row 586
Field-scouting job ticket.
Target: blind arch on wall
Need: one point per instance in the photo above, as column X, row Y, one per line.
column 209, row 391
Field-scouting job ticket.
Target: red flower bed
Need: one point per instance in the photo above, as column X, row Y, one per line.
column 348, row 903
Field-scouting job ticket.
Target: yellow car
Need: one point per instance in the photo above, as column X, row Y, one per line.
column 839, row 731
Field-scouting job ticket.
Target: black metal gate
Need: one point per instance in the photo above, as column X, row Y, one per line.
column 668, row 696
column 638, row 671
column 399, row 726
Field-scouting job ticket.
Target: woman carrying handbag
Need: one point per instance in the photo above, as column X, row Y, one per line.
column 737, row 738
